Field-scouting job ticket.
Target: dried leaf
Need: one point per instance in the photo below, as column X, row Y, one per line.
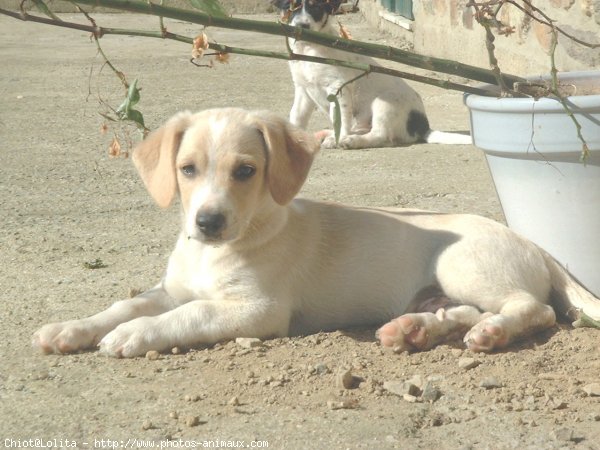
column 223, row 58
column 114, row 150
column 506, row 30
column 200, row 44
column 344, row 32
column 285, row 16
column 103, row 128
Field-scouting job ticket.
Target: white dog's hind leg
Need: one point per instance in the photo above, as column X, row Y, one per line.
column 424, row 330
column 369, row 140
column 521, row 315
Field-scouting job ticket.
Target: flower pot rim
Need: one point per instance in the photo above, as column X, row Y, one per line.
column 525, row 104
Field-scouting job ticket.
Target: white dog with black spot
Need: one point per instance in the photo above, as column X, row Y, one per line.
column 376, row 110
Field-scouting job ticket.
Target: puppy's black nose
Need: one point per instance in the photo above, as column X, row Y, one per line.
column 306, row 26
column 211, row 224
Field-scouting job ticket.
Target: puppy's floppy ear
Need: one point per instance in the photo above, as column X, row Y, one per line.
column 154, row 158
column 290, row 153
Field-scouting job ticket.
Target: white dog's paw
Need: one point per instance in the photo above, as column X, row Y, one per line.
column 329, row 142
column 487, row 335
column 65, row 337
column 351, row 141
column 133, row 338
column 418, row 331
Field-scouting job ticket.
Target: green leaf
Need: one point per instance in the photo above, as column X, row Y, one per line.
column 133, row 97
column 337, row 116
column 137, row 117
column 43, row 8
column 125, row 110
column 586, row 321
column 210, row 7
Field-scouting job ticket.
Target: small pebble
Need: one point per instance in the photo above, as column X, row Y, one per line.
column 592, row 389
column 402, row 388
column 430, row 393
column 192, row 421
column 322, row 369
column 344, row 379
column 490, row 383
column 234, row 401
column 147, row 425
column 468, row 363
column 417, row 380
column 152, row 355
column 563, row 434
column 174, row 415
column 409, row 398
column 175, row 350
column 342, row 404
column 248, row 342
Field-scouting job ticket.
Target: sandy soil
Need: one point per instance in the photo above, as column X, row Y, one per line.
column 65, row 203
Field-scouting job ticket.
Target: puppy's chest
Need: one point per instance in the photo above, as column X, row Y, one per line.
column 321, row 77
column 208, row 277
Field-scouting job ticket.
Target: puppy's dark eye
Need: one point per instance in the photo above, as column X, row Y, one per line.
column 244, row 172
column 189, row 170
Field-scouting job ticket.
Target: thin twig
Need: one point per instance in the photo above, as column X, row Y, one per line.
column 290, row 56
column 549, row 22
column 555, row 88
column 96, row 36
column 352, row 46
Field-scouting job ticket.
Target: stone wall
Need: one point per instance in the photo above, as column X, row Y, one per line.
column 447, row 29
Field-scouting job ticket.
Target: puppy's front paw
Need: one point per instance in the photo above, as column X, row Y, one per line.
column 133, row 338
column 329, row 142
column 66, row 337
column 487, row 335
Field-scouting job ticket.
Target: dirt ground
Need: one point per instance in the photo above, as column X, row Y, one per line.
column 65, row 205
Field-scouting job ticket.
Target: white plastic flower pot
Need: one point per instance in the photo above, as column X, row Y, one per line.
column 534, row 155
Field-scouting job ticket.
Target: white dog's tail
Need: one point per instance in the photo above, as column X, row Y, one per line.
column 569, row 297
column 444, row 137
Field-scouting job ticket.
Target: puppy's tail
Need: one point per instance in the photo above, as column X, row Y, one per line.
column 444, row 137
column 570, row 298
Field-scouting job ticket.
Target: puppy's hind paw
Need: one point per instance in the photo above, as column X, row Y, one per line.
column 405, row 333
column 487, row 335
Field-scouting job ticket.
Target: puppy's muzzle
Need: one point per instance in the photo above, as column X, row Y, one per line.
column 211, row 224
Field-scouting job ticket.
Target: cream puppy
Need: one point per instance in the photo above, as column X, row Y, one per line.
column 252, row 261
